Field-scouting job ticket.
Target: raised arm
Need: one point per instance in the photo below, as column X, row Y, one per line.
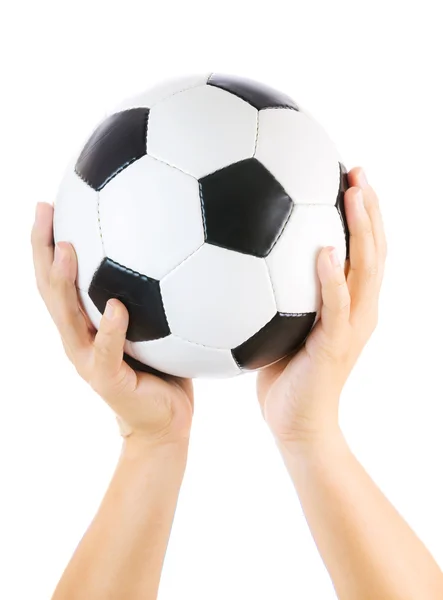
column 121, row 554
column 368, row 549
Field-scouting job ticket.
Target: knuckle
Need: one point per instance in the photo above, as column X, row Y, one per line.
column 102, row 348
column 119, row 384
column 110, row 385
column 328, row 352
column 343, row 307
column 335, row 350
column 343, row 297
column 54, row 277
column 331, row 352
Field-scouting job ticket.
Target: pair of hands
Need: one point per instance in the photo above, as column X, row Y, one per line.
column 299, row 396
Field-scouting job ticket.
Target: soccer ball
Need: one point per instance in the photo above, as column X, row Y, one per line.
column 202, row 205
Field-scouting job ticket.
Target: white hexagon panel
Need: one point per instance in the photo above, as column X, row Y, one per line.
column 300, row 155
column 146, row 207
column 202, row 130
column 228, row 297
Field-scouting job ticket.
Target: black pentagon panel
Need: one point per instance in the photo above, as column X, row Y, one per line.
column 283, row 335
column 340, row 204
column 244, row 208
column 116, row 143
column 140, row 294
column 255, row 93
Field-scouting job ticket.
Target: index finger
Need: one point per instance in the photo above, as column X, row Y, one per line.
column 357, row 177
column 42, row 241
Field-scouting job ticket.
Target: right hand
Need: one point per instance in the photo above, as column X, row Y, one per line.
column 299, row 395
column 150, row 408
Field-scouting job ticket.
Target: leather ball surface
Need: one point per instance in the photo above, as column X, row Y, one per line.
column 202, row 204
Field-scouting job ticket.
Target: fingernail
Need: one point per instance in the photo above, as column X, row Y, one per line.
column 109, row 310
column 333, row 257
column 362, row 180
column 58, row 255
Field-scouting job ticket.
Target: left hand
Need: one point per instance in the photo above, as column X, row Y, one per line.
column 155, row 410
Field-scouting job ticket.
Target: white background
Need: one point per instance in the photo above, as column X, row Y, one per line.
column 371, row 74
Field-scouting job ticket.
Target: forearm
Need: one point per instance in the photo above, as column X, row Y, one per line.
column 368, row 549
column 121, row 554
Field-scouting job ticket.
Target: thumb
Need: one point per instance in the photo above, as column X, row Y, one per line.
column 336, row 299
column 111, row 374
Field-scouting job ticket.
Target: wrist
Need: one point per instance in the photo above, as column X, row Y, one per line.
column 158, row 469
column 313, row 443
column 309, row 457
column 141, row 449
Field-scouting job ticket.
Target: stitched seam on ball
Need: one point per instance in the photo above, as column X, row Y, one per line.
column 305, row 314
column 256, row 134
column 274, row 294
column 146, row 277
column 185, row 89
column 119, row 170
column 163, row 162
column 202, row 206
column 282, row 228
column 236, row 361
column 296, row 203
column 83, row 178
column 341, row 218
column 182, row 262
column 202, row 345
column 124, row 268
column 100, row 224
column 282, row 107
column 127, row 270
column 148, row 113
